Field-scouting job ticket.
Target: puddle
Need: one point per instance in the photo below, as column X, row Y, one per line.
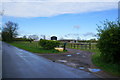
column 72, row 64
column 81, row 68
column 94, row 70
column 83, row 56
column 68, row 55
column 20, row 53
column 21, row 50
column 23, row 56
column 63, row 61
column 77, row 53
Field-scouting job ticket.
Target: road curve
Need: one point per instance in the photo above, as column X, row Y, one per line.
column 18, row 63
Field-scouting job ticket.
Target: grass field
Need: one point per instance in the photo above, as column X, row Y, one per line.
column 32, row 47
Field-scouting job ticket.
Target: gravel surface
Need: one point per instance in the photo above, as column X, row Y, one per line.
column 77, row 59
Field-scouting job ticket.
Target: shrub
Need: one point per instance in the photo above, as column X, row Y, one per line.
column 21, row 39
column 109, row 41
column 48, row 44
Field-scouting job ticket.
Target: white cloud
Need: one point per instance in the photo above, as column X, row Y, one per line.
column 47, row 9
column 0, row 23
column 89, row 34
column 76, row 27
column 60, row 0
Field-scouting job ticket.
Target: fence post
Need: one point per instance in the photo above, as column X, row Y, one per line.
column 84, row 46
column 89, row 45
column 81, row 46
column 77, row 45
column 74, row 45
column 64, row 46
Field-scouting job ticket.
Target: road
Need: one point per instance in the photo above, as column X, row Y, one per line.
column 18, row 63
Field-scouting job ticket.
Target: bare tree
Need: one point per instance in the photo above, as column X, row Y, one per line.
column 33, row 37
column 43, row 36
column 24, row 37
column 9, row 31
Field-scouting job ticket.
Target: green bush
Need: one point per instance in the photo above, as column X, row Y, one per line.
column 48, row 44
column 21, row 39
column 109, row 41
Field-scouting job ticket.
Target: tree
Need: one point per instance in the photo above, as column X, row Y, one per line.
column 24, row 37
column 9, row 31
column 33, row 37
column 109, row 41
column 92, row 40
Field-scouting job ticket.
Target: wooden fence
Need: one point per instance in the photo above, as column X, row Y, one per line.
column 81, row 45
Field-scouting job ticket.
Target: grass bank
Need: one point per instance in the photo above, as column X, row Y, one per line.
column 32, row 47
column 112, row 69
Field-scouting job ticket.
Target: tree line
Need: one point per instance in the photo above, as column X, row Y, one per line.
column 10, row 33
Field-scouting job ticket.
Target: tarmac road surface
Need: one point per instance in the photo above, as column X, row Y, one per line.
column 18, row 63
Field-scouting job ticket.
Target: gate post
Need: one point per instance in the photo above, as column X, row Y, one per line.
column 64, row 46
column 89, row 45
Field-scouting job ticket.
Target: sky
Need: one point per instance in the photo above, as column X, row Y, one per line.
column 64, row 19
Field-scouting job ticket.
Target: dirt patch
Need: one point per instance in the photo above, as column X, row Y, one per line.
column 77, row 59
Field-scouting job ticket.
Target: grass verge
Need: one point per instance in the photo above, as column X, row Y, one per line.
column 33, row 47
column 110, row 68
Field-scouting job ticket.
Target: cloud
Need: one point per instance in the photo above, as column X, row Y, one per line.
column 48, row 9
column 89, row 34
column 76, row 27
column 85, row 36
column 0, row 24
column 60, row 0
column 72, row 35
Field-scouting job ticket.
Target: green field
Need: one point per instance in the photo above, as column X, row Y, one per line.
column 32, row 47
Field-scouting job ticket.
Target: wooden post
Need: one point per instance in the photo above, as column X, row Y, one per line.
column 85, row 46
column 89, row 45
column 64, row 46
column 77, row 45
column 74, row 45
column 80, row 46
column 71, row 45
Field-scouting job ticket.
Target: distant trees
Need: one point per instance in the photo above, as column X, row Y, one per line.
column 109, row 41
column 33, row 37
column 24, row 37
column 91, row 41
column 9, row 31
column 29, row 38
